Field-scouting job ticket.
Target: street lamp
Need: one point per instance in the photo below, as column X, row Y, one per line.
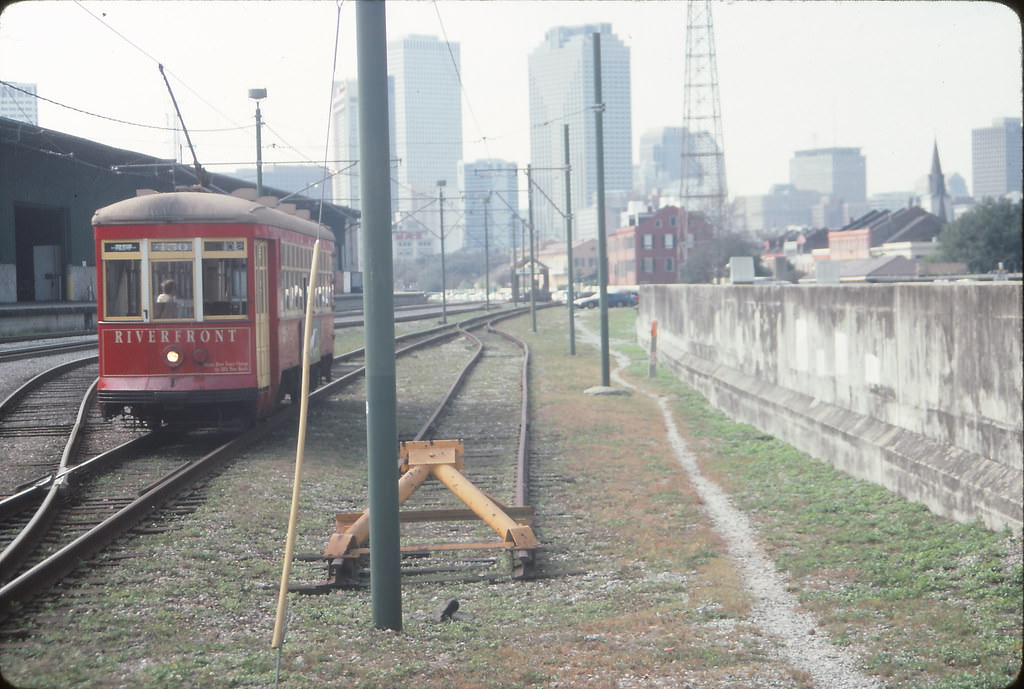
column 258, row 95
column 444, row 299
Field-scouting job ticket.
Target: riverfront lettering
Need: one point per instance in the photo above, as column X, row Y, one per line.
column 174, row 335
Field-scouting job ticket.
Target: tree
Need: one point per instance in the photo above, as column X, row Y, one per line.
column 711, row 259
column 984, row 237
column 463, row 269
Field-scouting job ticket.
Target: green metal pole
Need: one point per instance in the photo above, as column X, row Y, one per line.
column 379, row 307
column 444, row 286
column 515, row 278
column 569, row 294
column 487, row 254
column 602, row 240
column 533, row 258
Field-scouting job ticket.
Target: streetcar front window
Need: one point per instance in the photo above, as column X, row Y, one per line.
column 122, row 289
column 172, row 296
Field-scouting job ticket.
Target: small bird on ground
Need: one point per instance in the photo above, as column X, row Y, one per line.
column 447, row 610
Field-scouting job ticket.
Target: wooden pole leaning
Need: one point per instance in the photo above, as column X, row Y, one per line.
column 293, row 516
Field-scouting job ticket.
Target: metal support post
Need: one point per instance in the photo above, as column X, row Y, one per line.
column 487, row 254
column 533, row 258
column 569, row 292
column 444, row 298
column 602, row 239
column 379, row 307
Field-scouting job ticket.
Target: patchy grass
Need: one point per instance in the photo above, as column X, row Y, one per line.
column 931, row 602
column 644, row 594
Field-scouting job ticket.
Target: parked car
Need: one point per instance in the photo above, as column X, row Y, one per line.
column 614, row 299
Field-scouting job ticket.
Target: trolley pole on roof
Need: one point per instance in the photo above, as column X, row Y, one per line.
column 379, row 307
column 602, row 240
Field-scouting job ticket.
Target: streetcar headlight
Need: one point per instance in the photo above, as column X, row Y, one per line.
column 173, row 357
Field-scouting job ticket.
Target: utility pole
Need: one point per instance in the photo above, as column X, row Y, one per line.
column 533, row 264
column 569, row 292
column 602, row 240
column 487, row 253
column 444, row 299
column 379, row 307
column 514, row 277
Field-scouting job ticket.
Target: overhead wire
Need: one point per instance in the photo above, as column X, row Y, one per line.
column 115, row 119
column 330, row 102
column 458, row 76
column 176, row 77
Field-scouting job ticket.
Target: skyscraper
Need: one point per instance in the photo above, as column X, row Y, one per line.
column 837, row 172
column 345, row 143
column 996, row 158
column 840, row 174
column 660, row 163
column 490, row 187
column 19, row 103
column 561, row 76
column 428, row 127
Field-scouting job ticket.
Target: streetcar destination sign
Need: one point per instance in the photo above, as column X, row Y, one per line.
column 174, row 335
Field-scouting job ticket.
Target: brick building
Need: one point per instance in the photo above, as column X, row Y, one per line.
column 651, row 247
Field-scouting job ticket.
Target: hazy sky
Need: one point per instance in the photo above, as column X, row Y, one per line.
column 888, row 77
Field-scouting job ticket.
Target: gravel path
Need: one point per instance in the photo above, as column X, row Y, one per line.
column 776, row 610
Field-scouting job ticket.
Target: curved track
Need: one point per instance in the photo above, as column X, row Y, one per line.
column 158, row 476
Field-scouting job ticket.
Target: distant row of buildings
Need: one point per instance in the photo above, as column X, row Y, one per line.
column 483, row 198
column 650, row 246
column 827, row 187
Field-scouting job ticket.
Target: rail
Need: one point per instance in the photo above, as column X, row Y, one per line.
column 64, row 560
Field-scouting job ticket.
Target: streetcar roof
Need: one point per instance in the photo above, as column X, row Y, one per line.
column 200, row 207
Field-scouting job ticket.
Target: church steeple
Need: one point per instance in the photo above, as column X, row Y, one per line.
column 937, row 187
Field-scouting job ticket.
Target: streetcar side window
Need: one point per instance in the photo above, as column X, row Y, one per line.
column 225, row 285
column 122, row 284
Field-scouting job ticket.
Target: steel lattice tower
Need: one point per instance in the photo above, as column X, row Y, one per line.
column 703, row 187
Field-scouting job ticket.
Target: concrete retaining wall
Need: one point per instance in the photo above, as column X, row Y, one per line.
column 32, row 319
column 917, row 387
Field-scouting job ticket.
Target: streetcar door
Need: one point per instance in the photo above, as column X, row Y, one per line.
column 262, row 312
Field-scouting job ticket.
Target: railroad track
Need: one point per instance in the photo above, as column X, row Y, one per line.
column 488, row 411
column 34, row 561
column 481, row 382
column 38, row 418
column 31, row 351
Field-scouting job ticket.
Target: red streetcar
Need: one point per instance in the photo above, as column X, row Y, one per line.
column 201, row 302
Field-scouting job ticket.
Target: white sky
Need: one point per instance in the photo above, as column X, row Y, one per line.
column 888, row 77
